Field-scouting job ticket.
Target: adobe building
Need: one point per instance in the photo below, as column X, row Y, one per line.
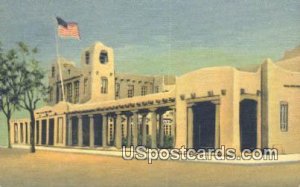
column 206, row 108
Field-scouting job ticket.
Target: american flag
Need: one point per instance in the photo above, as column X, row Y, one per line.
column 67, row 29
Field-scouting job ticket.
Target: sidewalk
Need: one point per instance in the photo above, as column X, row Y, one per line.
column 287, row 158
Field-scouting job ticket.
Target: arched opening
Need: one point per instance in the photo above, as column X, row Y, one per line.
column 98, row 130
column 74, row 131
column 44, row 132
column 204, row 125
column 248, row 124
column 103, row 57
column 51, row 132
column 85, row 130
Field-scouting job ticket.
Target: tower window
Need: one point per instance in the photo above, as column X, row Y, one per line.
column 103, row 57
column 283, row 116
column 87, row 57
column 104, row 85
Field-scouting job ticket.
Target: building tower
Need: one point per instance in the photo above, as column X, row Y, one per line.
column 98, row 64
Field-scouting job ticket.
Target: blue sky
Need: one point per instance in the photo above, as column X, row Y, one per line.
column 155, row 37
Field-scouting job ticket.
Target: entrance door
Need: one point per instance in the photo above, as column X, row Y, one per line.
column 248, row 124
column 204, row 125
column 98, row 130
column 74, row 131
column 86, row 131
column 51, row 132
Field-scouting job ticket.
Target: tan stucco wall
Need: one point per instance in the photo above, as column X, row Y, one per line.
column 216, row 79
column 277, row 77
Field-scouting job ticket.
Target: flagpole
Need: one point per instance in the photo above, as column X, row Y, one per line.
column 58, row 61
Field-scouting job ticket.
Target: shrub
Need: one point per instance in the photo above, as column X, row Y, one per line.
column 168, row 141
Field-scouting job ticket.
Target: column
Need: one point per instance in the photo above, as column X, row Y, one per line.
column 65, row 130
column 19, row 133
column 92, row 133
column 28, row 132
column 129, row 137
column 173, row 130
column 56, row 132
column 24, row 133
column 153, row 132
column 104, row 129
column 144, row 129
column 35, row 133
column 258, row 115
column 40, row 132
column 217, row 125
column 70, row 142
column 118, row 133
column 80, row 136
column 47, row 131
column 135, row 129
column 161, row 130
column 190, row 116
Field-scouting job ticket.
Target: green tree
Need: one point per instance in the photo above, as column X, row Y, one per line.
column 10, row 87
column 33, row 88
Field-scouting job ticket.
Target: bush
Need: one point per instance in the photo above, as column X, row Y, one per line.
column 168, row 142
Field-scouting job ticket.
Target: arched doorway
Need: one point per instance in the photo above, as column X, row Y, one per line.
column 248, row 124
column 51, row 132
column 204, row 125
column 74, row 130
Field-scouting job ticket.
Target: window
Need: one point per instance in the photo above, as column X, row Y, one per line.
column 104, row 85
column 144, row 90
column 130, row 90
column 117, row 89
column 103, row 58
column 69, row 92
column 167, row 129
column 76, row 92
column 87, row 57
column 156, row 89
column 85, row 85
column 53, row 72
column 283, row 116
